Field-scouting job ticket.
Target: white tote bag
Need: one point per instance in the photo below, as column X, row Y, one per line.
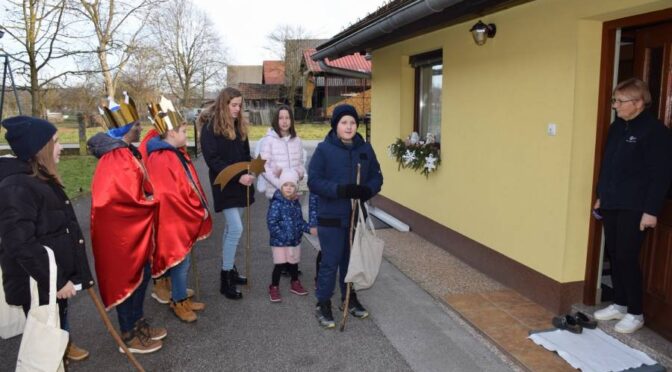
column 12, row 319
column 44, row 342
column 366, row 254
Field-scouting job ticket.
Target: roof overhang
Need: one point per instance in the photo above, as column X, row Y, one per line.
column 409, row 20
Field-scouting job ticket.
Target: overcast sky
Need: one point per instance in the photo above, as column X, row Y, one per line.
column 244, row 24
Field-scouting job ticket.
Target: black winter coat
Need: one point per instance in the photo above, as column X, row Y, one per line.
column 220, row 152
column 637, row 165
column 36, row 213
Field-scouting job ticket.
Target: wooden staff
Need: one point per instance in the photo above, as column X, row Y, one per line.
column 346, row 303
column 113, row 332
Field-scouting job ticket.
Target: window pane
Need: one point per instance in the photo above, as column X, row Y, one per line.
column 429, row 105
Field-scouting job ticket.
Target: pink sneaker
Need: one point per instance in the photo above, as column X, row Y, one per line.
column 274, row 293
column 297, row 288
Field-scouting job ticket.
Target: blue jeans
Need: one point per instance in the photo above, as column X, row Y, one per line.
column 178, row 279
column 132, row 310
column 232, row 233
column 335, row 257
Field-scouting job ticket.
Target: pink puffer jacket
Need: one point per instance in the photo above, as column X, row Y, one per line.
column 280, row 153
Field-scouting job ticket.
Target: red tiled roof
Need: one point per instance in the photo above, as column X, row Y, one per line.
column 274, row 72
column 352, row 62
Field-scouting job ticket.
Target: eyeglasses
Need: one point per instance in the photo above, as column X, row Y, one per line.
column 621, row 101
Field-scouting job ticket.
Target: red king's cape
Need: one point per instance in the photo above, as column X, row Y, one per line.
column 123, row 214
column 143, row 145
column 183, row 217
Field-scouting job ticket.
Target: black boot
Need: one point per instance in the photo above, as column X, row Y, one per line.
column 324, row 315
column 228, row 285
column 355, row 307
column 239, row 279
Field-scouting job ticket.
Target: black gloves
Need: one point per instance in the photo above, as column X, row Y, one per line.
column 352, row 191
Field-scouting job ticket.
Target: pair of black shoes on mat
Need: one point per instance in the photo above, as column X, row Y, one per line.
column 574, row 323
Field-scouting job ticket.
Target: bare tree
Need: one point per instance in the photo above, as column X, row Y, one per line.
column 38, row 26
column 192, row 52
column 288, row 43
column 116, row 25
column 143, row 76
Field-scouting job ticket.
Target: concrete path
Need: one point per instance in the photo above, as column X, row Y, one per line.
column 408, row 329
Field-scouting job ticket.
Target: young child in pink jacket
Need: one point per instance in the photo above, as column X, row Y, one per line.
column 282, row 149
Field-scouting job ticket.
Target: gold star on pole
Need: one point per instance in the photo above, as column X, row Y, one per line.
column 255, row 167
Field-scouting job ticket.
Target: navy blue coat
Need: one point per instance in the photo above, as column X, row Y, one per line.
column 36, row 213
column 335, row 164
column 285, row 221
column 637, row 165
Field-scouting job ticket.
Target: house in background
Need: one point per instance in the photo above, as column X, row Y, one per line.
column 260, row 101
column 273, row 73
column 236, row 74
column 261, row 86
column 522, row 121
column 332, row 82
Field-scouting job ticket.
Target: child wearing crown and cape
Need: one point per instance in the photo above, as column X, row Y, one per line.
column 183, row 216
column 123, row 215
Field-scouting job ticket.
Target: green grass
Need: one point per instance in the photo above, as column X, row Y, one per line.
column 314, row 131
column 76, row 173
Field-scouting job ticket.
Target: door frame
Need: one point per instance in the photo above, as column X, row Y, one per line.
column 608, row 53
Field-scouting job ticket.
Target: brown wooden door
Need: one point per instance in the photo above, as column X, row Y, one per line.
column 652, row 60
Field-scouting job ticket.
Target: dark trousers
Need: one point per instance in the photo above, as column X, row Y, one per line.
column 132, row 310
column 335, row 257
column 623, row 243
column 63, row 314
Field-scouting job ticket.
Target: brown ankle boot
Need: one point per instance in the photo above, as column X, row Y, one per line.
column 75, row 353
column 195, row 306
column 139, row 343
column 183, row 311
column 155, row 333
column 161, row 290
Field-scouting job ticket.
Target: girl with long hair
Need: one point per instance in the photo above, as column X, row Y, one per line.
column 224, row 142
column 35, row 212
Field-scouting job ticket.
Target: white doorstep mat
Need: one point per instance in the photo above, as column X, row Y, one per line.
column 593, row 350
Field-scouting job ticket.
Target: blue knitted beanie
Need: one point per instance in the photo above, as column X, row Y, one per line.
column 342, row 110
column 27, row 135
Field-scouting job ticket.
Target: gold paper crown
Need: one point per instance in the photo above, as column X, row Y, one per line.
column 117, row 115
column 164, row 116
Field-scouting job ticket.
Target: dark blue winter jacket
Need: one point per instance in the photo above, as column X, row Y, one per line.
column 636, row 167
column 285, row 221
column 334, row 164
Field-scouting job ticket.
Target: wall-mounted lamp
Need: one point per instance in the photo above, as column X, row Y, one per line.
column 368, row 56
column 481, row 32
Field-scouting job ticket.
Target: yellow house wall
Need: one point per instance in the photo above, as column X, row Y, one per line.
column 503, row 181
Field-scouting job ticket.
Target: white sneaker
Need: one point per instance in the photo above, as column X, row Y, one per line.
column 629, row 323
column 610, row 312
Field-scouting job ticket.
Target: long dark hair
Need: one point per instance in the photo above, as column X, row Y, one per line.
column 218, row 115
column 276, row 121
